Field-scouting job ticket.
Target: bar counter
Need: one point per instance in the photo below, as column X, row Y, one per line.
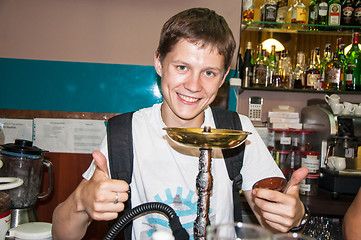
column 325, row 205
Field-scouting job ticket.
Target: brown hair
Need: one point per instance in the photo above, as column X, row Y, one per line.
column 200, row 26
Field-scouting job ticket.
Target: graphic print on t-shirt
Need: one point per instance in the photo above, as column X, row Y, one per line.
column 182, row 206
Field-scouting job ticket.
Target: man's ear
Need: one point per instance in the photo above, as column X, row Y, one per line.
column 158, row 64
column 224, row 77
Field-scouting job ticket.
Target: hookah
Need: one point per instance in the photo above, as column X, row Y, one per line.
column 205, row 139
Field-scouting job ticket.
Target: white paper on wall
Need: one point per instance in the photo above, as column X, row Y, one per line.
column 68, row 135
column 12, row 128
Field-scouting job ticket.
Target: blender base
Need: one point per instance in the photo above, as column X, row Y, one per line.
column 23, row 215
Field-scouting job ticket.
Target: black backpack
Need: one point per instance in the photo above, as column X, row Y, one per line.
column 120, row 153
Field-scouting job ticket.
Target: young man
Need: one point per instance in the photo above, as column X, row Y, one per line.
column 193, row 59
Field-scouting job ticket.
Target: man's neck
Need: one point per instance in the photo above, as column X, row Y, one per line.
column 171, row 120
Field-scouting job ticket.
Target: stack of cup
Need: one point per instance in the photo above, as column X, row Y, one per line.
column 333, row 101
column 342, row 109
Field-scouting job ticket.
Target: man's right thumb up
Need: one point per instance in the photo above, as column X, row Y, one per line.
column 101, row 163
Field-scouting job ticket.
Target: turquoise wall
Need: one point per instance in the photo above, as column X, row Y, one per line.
column 78, row 86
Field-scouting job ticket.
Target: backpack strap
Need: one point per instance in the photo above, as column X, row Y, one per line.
column 120, row 154
column 233, row 157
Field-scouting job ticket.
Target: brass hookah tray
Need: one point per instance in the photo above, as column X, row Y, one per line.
column 216, row 138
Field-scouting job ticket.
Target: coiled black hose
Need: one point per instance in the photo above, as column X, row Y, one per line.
column 179, row 232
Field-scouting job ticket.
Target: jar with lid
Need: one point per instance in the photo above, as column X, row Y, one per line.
column 301, row 140
column 283, row 159
column 311, row 160
column 309, row 185
column 297, row 159
column 283, row 139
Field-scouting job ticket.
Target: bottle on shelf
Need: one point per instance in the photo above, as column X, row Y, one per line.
column 353, row 66
column 299, row 72
column 299, row 12
column 327, row 57
column 334, row 13
column 312, row 73
column 240, row 63
column 272, row 67
column 269, row 11
column 285, row 70
column 313, row 14
column 247, row 66
column 289, row 14
column 341, row 51
column 333, row 74
column 282, row 11
column 318, row 57
column 322, row 12
column 347, row 9
column 357, row 14
column 259, row 69
column 248, row 10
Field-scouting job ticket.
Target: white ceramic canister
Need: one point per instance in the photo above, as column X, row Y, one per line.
column 31, row 231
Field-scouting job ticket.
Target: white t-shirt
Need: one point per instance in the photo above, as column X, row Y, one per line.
column 164, row 171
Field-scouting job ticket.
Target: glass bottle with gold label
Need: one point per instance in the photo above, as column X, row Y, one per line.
column 299, row 13
column 312, row 73
column 333, row 74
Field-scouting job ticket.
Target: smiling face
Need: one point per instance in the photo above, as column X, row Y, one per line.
column 191, row 76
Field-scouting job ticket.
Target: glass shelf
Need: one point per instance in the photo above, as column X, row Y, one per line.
column 298, row 28
column 300, row 90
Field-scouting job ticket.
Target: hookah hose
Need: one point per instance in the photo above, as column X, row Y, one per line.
column 179, row 232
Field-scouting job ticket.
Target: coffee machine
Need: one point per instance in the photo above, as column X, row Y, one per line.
column 25, row 161
column 335, row 136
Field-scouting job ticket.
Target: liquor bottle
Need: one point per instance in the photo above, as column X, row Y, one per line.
column 285, row 69
column 240, row 63
column 333, row 74
column 347, row 9
column 299, row 71
column 327, row 57
column 248, row 66
column 299, row 13
column 282, row 11
column 357, row 14
column 353, row 67
column 272, row 66
column 340, row 50
column 334, row 13
column 322, row 12
column 318, row 57
column 269, row 11
column 289, row 14
column 319, row 82
column 313, row 14
column 342, row 59
column 312, row 73
column 259, row 69
column 248, row 10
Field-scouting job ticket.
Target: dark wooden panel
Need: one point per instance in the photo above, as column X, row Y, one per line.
column 68, row 169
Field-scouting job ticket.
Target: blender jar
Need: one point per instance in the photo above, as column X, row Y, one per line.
column 25, row 161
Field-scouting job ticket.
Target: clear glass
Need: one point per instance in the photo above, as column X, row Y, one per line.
column 290, row 236
column 237, row 230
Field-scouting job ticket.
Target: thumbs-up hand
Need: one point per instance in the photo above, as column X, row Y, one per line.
column 101, row 197
column 281, row 210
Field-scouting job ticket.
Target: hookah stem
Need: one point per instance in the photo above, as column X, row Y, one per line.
column 204, row 185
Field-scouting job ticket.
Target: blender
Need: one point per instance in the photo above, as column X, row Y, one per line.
column 25, row 161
